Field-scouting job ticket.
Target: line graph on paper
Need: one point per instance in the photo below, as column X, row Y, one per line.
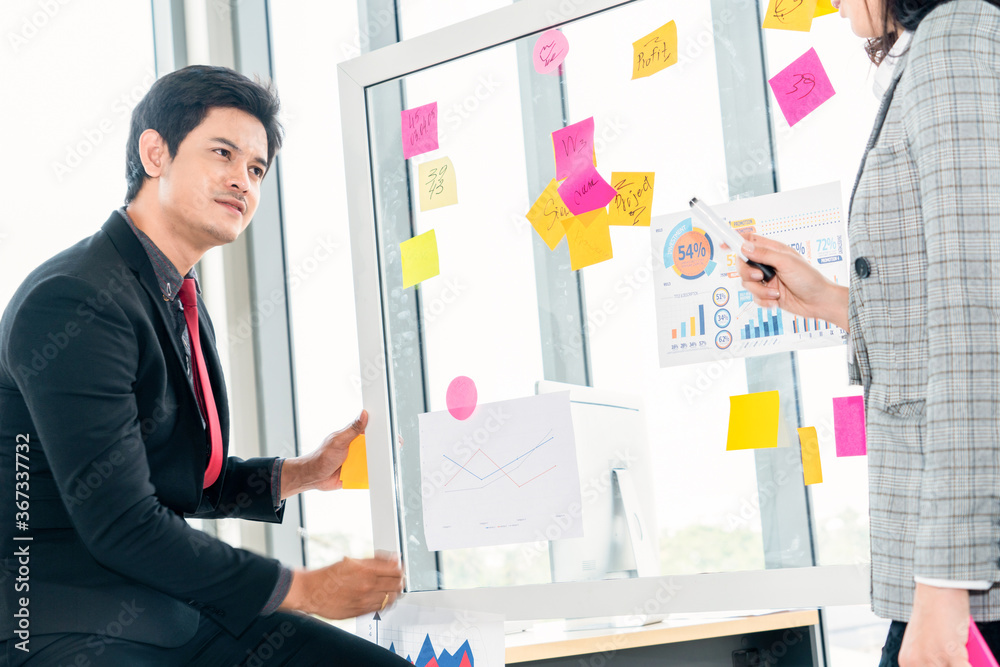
column 506, row 474
column 467, row 474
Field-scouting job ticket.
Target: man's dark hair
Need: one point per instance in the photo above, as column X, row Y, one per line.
column 178, row 102
column 907, row 13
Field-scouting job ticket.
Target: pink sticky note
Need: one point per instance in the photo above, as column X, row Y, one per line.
column 586, row 190
column 979, row 651
column 420, row 130
column 849, row 426
column 461, row 397
column 574, row 147
column 801, row 87
column 550, row 50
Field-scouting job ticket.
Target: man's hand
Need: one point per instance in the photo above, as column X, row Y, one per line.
column 321, row 469
column 347, row 589
column 938, row 629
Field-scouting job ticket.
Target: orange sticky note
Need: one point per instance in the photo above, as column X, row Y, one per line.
column 824, row 7
column 812, row 471
column 753, row 421
column 589, row 238
column 354, row 470
column 790, row 15
column 546, row 214
column 419, row 257
column 633, row 205
column 656, row 51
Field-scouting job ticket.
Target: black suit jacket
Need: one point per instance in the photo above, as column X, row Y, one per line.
column 92, row 377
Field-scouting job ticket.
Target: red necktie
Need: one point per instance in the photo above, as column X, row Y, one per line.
column 203, row 386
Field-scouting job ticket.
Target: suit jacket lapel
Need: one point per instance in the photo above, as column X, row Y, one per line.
column 136, row 258
column 876, row 130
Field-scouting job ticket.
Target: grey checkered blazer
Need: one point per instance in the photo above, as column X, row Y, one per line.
column 925, row 312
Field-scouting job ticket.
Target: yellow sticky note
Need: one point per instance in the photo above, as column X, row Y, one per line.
column 589, row 238
column 419, row 257
column 655, row 51
column 753, row 421
column 437, row 184
column 790, row 14
column 812, row 472
column 824, row 7
column 546, row 214
column 633, row 205
column 354, row 470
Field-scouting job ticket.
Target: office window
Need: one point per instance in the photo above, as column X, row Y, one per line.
column 309, row 38
column 71, row 79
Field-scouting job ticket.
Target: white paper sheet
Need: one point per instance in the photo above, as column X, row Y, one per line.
column 506, row 474
column 702, row 311
column 420, row 634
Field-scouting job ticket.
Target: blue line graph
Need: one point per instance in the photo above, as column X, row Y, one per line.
column 500, row 468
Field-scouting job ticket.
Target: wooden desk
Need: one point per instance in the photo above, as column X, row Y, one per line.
column 533, row 646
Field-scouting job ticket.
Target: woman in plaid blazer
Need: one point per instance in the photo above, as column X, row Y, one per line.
column 923, row 313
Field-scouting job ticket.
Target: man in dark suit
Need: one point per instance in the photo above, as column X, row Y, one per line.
column 114, row 426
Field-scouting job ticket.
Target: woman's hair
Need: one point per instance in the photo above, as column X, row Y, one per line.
column 906, row 13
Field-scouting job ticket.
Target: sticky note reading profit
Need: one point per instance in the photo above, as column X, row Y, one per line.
column 420, row 130
column 753, row 421
column 438, row 186
column 849, row 426
column 589, row 238
column 801, row 87
column 812, row 471
column 550, row 51
column 824, row 7
column 654, row 52
column 790, row 15
column 419, row 257
column 354, row 470
column 633, row 203
column 586, row 190
column 574, row 147
column 546, row 214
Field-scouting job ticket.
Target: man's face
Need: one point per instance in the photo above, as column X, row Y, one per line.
column 210, row 190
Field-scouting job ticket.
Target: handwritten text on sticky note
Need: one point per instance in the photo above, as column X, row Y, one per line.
column 589, row 238
column 550, row 51
column 812, row 471
column 801, row 87
column 586, row 190
column 419, row 257
column 574, row 147
column 546, row 213
column 753, row 421
column 654, row 52
column 849, row 426
column 438, row 186
column 420, row 130
column 633, row 203
column 790, row 15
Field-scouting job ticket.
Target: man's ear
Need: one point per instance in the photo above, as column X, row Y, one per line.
column 153, row 152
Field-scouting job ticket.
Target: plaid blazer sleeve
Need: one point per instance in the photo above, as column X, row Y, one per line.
column 951, row 120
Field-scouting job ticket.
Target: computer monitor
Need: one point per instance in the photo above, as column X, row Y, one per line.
column 616, row 483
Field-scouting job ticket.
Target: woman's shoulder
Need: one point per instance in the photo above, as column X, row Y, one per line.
column 970, row 26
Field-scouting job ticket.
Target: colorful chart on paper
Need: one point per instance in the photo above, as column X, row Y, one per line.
column 702, row 311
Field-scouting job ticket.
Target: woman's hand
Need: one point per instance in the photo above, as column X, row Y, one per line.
column 938, row 628
column 798, row 288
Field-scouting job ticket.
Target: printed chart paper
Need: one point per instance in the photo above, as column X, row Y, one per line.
column 702, row 311
column 432, row 637
column 501, row 476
